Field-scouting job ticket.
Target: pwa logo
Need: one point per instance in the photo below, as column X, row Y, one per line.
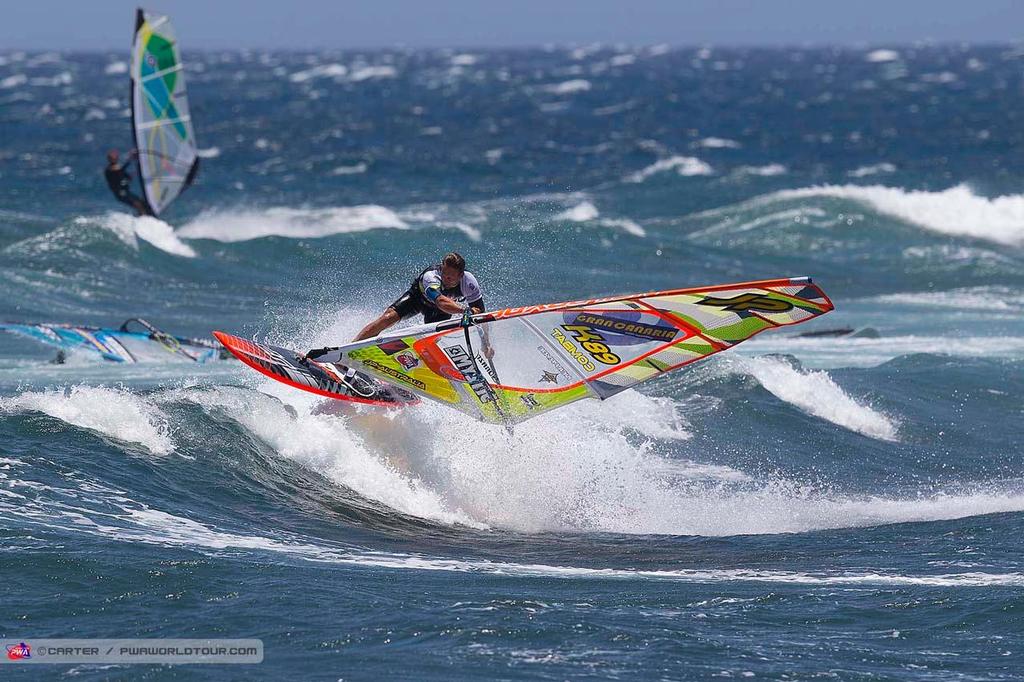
column 745, row 302
column 19, row 652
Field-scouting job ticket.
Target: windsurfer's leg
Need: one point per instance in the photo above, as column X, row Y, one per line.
column 389, row 318
column 140, row 205
column 129, row 199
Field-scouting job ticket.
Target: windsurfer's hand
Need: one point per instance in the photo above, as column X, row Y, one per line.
column 488, row 352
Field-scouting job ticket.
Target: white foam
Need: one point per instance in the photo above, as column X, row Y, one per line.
column 208, row 153
column 622, row 60
column 354, row 169
column 784, row 217
column 994, row 299
column 591, row 473
column 769, row 170
column 942, row 77
column 881, row 56
column 134, row 522
column 324, row 444
column 580, row 213
column 465, row 59
column 718, row 143
column 237, row 226
column 372, row 73
column 116, row 68
column 323, row 71
column 466, row 229
column 955, row 211
column 585, row 212
column 62, row 78
column 815, row 393
column 615, row 108
column 115, row 413
column 683, row 165
column 876, row 169
column 569, row 87
column 870, row 352
column 150, row 229
column 625, row 224
column 161, row 235
column 13, row 81
column 44, row 58
column 129, row 229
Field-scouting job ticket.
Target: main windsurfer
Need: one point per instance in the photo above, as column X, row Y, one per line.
column 120, row 180
column 437, row 293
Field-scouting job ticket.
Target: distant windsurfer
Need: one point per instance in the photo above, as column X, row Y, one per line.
column 438, row 293
column 120, row 180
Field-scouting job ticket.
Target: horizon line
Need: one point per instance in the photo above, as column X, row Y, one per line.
column 596, row 45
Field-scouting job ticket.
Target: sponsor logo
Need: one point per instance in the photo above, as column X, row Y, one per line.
column 481, row 361
column 464, row 363
column 529, row 401
column 548, row 377
column 392, row 372
column 745, row 302
column 407, row 360
column 392, row 347
column 559, row 369
column 19, row 652
column 573, row 351
column 593, row 343
column 611, row 324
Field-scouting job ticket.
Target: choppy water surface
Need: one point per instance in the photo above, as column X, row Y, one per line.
column 803, row 507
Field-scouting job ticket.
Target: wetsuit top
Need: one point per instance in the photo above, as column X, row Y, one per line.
column 467, row 291
column 119, row 180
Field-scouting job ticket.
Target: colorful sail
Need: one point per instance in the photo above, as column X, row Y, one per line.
column 143, row 344
column 160, row 116
column 514, row 364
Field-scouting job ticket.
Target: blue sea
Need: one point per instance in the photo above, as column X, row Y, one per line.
column 830, row 507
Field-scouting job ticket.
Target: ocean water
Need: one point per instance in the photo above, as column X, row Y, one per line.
column 798, row 508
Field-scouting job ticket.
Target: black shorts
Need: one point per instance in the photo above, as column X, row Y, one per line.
column 412, row 303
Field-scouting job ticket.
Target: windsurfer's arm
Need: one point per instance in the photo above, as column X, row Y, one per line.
column 448, row 305
column 477, row 307
column 432, row 292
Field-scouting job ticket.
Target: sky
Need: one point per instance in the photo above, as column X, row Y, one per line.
column 344, row 24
